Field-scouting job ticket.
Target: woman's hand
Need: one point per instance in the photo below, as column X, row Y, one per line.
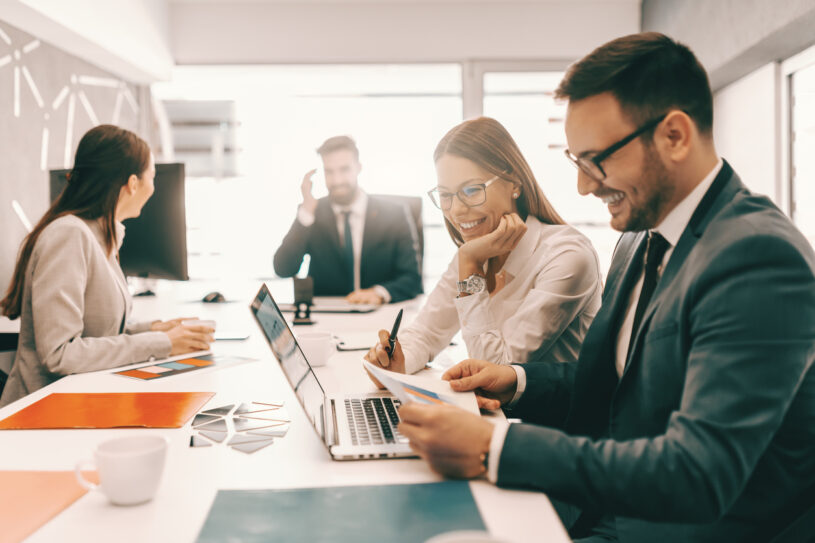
column 474, row 253
column 188, row 339
column 378, row 356
column 164, row 326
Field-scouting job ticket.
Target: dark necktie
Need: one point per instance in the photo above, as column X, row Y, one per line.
column 654, row 253
column 348, row 248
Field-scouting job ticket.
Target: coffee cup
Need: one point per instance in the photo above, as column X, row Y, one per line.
column 317, row 346
column 129, row 468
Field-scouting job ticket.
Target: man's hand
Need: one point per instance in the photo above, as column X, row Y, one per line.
column 453, row 441
column 378, row 356
column 364, row 296
column 493, row 385
column 309, row 201
column 473, row 254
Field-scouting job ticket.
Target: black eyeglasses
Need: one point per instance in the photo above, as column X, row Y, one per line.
column 591, row 165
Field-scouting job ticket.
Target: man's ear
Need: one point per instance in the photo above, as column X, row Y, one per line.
column 675, row 135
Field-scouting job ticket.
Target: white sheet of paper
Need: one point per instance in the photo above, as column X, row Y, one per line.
column 395, row 383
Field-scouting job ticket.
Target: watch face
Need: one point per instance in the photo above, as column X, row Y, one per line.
column 475, row 283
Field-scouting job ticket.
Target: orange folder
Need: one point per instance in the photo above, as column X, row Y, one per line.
column 108, row 410
column 32, row 498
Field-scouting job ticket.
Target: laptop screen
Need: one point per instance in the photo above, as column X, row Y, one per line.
column 285, row 348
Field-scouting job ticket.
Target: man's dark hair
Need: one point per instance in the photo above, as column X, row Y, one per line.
column 338, row 143
column 648, row 74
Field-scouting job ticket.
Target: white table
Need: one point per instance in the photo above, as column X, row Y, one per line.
column 193, row 476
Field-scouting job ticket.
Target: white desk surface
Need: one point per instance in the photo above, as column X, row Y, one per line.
column 193, row 476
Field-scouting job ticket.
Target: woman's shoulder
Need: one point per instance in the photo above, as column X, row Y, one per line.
column 66, row 230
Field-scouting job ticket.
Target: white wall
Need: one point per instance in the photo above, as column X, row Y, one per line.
column 127, row 37
column 216, row 32
column 746, row 129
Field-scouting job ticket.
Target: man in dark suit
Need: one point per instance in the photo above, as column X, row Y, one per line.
column 361, row 247
column 690, row 413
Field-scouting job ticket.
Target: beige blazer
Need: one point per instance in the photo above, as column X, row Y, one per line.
column 75, row 310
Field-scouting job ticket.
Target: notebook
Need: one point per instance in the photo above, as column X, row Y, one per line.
column 375, row 514
column 108, row 410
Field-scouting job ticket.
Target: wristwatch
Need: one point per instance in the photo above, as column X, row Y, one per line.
column 472, row 285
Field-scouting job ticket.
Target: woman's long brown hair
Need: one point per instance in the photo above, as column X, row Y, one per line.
column 485, row 142
column 105, row 159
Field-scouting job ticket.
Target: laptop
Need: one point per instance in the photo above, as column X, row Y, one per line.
column 332, row 304
column 352, row 427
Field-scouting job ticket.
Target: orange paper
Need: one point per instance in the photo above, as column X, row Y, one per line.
column 109, row 410
column 32, row 498
column 196, row 362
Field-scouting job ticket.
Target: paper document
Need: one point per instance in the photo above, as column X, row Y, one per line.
column 423, row 389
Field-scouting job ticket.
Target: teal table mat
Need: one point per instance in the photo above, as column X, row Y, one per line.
column 380, row 514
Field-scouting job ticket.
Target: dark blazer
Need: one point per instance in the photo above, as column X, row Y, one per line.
column 388, row 252
column 710, row 433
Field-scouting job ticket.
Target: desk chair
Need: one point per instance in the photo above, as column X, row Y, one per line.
column 8, row 348
column 413, row 210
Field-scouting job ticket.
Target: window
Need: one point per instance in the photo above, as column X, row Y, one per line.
column 396, row 114
column 802, row 141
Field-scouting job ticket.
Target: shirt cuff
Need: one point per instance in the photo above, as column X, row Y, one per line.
column 383, row 293
column 499, row 434
column 520, row 375
column 473, row 313
column 305, row 218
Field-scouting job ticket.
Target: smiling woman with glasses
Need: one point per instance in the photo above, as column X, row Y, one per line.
column 523, row 285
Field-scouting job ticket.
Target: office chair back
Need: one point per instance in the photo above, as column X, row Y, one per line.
column 413, row 209
column 8, row 349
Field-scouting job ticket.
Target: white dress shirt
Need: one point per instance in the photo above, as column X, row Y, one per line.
column 356, row 219
column 551, row 294
column 671, row 229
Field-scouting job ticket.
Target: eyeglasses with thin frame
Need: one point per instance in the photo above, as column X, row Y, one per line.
column 591, row 165
column 471, row 195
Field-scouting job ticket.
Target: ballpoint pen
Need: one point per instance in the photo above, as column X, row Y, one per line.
column 394, row 331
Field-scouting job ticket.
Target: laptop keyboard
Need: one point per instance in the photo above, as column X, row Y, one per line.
column 373, row 421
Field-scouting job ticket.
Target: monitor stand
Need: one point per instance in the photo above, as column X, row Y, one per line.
column 142, row 286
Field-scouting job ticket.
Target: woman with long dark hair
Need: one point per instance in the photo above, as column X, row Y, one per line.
column 523, row 285
column 68, row 288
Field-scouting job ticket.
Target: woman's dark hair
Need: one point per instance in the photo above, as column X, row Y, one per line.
column 105, row 159
column 648, row 74
column 485, row 142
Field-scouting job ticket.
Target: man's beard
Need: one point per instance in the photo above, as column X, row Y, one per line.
column 657, row 188
column 344, row 196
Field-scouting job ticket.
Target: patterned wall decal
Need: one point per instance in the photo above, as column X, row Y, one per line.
column 48, row 100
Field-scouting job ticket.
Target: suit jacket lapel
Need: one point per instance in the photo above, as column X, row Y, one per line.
column 699, row 220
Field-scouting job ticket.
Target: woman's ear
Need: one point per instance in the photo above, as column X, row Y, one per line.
column 132, row 184
column 516, row 192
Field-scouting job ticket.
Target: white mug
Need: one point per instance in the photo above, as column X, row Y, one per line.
column 129, row 468
column 317, row 346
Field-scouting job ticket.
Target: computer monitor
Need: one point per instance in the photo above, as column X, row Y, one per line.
column 155, row 242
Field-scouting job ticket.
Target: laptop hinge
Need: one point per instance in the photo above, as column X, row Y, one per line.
column 334, row 438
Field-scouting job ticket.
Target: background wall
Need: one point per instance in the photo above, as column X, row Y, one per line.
column 747, row 129
column 734, row 37
column 48, row 100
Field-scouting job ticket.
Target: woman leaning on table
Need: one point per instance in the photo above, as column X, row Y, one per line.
column 68, row 288
column 523, row 285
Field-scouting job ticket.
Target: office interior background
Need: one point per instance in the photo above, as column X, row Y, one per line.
column 243, row 92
